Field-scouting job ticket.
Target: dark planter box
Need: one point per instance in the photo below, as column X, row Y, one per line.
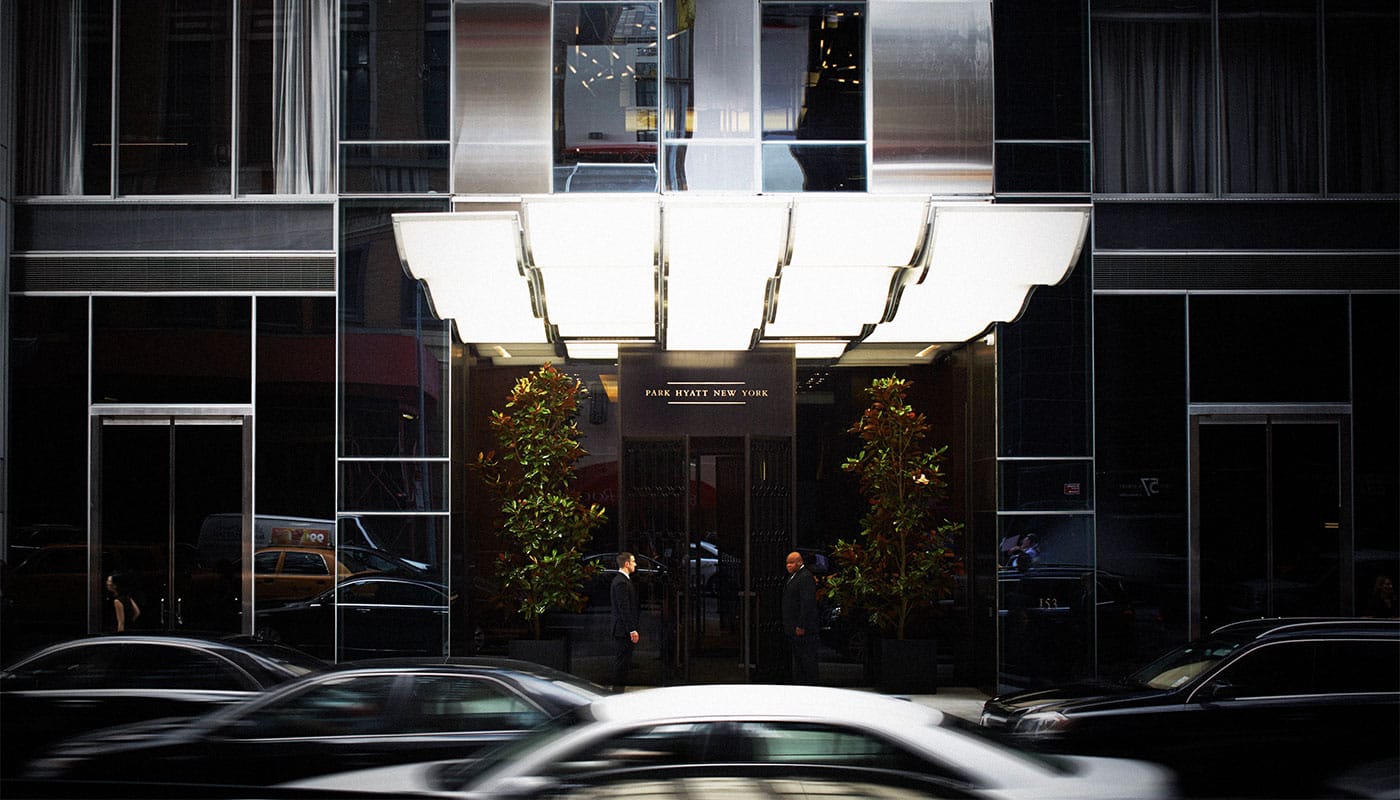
column 908, row 666
column 548, row 652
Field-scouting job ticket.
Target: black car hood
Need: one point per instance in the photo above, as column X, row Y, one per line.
column 1078, row 697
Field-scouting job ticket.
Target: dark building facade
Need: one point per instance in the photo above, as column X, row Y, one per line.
column 229, row 371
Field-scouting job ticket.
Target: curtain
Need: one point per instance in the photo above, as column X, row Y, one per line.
column 1363, row 99
column 1269, row 79
column 303, row 104
column 50, row 117
column 1153, row 102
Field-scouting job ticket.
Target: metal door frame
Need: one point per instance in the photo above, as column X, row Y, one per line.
column 170, row 416
column 1338, row 414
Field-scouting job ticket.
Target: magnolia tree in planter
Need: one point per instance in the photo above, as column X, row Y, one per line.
column 901, row 564
column 545, row 526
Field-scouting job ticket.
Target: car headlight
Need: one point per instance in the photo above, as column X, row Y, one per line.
column 1041, row 723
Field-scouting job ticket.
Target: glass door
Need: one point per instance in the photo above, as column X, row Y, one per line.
column 164, row 487
column 1271, row 518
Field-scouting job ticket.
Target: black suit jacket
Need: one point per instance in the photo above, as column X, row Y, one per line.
column 800, row 604
column 625, row 614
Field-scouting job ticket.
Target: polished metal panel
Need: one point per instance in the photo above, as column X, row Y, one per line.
column 502, row 136
column 931, row 88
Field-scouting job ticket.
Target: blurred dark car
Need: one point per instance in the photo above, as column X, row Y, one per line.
column 380, row 616
column 102, row 681
column 750, row 740
column 372, row 714
column 1261, row 708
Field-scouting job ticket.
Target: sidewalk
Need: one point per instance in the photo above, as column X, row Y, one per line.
column 960, row 701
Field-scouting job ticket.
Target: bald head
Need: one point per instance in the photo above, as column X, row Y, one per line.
column 794, row 562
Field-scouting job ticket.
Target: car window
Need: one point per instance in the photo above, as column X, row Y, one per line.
column 265, row 563
column 1181, row 665
column 812, row 743
column 294, row 563
column 1359, row 666
column 162, row 666
column 85, row 667
column 364, row 561
column 337, row 707
column 670, row 744
column 444, row 703
column 1283, row 668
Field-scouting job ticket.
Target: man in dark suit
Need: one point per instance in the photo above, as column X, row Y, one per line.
column 625, row 616
column 800, row 619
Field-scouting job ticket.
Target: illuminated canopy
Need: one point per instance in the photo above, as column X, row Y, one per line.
column 858, row 279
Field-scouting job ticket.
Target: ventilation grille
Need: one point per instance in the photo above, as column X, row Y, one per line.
column 219, row 273
column 1248, row 271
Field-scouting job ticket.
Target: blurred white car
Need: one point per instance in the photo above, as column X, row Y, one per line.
column 762, row 740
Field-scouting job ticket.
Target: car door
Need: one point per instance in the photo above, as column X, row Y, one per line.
column 335, row 723
column 386, row 617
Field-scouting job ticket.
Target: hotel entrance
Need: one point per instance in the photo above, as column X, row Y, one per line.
column 716, row 512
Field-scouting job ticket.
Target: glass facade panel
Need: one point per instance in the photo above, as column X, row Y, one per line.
column 1040, row 54
column 813, row 168
column 813, row 68
column 705, row 97
column 1047, row 599
column 172, row 350
column 393, row 486
column 295, row 407
column 394, row 168
column 417, row 541
column 1046, row 485
column 606, row 96
column 1042, row 167
column 176, row 78
column 1141, row 455
column 395, row 75
column 697, row 166
column 394, row 354
column 1375, row 442
column 1269, row 348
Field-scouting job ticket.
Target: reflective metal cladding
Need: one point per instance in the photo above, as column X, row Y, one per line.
column 502, row 131
column 932, row 91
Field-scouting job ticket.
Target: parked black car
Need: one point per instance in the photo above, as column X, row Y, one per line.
column 101, row 681
column 1262, row 708
column 380, row 616
column 372, row 714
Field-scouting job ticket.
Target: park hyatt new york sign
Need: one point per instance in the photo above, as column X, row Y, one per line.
column 706, row 393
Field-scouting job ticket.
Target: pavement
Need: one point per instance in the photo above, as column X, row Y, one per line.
column 960, row 701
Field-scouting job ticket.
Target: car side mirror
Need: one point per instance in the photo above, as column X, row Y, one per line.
column 1220, row 690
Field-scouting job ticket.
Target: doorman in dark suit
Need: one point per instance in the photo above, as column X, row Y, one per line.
column 625, row 617
column 800, row 619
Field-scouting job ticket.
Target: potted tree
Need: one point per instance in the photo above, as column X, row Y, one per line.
column 901, row 564
column 544, row 525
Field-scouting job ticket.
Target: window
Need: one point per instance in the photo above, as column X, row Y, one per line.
column 605, row 121
column 444, row 703
column 162, row 667
column 806, row 743
column 659, row 745
column 172, row 71
column 813, row 68
column 1275, row 669
column 338, row 707
column 294, row 563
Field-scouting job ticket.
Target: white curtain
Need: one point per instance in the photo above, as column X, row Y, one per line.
column 303, row 106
